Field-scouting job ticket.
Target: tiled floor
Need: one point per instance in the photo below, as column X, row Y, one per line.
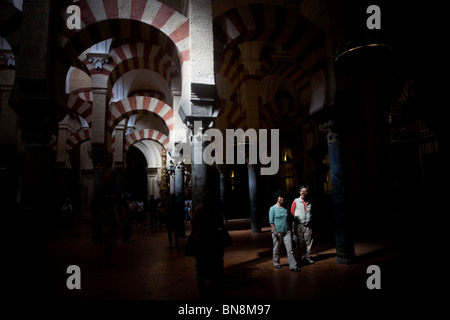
column 147, row 270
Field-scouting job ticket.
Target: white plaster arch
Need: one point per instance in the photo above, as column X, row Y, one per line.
column 85, row 160
column 139, row 79
column 151, row 151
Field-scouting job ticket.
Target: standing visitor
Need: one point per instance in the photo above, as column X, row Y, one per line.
column 301, row 210
column 281, row 232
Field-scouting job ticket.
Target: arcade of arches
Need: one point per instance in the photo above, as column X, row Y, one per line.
column 98, row 110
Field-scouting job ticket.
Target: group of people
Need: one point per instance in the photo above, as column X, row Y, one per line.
column 115, row 214
column 293, row 228
column 157, row 213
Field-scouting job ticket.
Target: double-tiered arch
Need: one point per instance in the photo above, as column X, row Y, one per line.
column 290, row 47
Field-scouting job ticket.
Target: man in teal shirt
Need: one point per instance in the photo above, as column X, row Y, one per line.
column 281, row 232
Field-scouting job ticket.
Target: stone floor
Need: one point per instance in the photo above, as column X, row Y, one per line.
column 146, row 270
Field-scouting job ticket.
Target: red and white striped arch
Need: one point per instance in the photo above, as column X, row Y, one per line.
column 275, row 25
column 148, row 93
column 84, row 93
column 146, row 134
column 231, row 111
column 142, row 56
column 133, row 56
column 137, row 105
column 77, row 138
column 80, row 107
column 279, row 108
column 270, row 24
column 10, row 22
column 117, row 18
column 267, row 23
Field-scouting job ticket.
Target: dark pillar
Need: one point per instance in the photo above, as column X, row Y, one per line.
column 198, row 167
column 179, row 182
column 36, row 174
column 179, row 195
column 253, row 196
column 345, row 249
column 222, row 183
column 24, row 234
column 104, row 183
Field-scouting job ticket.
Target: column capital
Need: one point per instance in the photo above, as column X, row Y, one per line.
column 179, row 166
column 202, row 103
column 98, row 59
column 193, row 125
column 251, row 165
column 8, row 57
column 334, row 134
column 250, row 52
column 203, row 100
column 101, row 158
column 222, row 168
column 99, row 90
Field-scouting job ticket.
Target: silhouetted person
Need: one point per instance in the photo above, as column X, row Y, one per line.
column 174, row 211
column 67, row 216
column 159, row 213
column 152, row 211
column 140, row 212
column 127, row 220
column 207, row 224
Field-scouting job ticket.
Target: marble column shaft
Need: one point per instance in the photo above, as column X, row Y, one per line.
column 253, row 196
column 345, row 250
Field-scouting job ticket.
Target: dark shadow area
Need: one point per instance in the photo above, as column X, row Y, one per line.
column 323, row 256
column 374, row 254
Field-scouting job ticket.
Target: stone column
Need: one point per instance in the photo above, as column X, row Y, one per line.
column 164, row 186
column 103, row 184
column 222, row 181
column 179, row 182
column 198, row 167
column 64, row 132
column 98, row 115
column 87, row 181
column 31, row 101
column 199, row 91
column 101, row 156
column 202, row 42
column 249, row 96
column 199, row 82
column 98, row 57
column 62, row 159
column 253, row 196
column 345, row 249
column 37, row 169
column 179, row 194
column 25, row 236
column 250, row 88
column 152, row 174
column 118, row 150
column 171, row 174
column 251, row 100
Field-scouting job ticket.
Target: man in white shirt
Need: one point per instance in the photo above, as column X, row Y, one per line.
column 301, row 210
